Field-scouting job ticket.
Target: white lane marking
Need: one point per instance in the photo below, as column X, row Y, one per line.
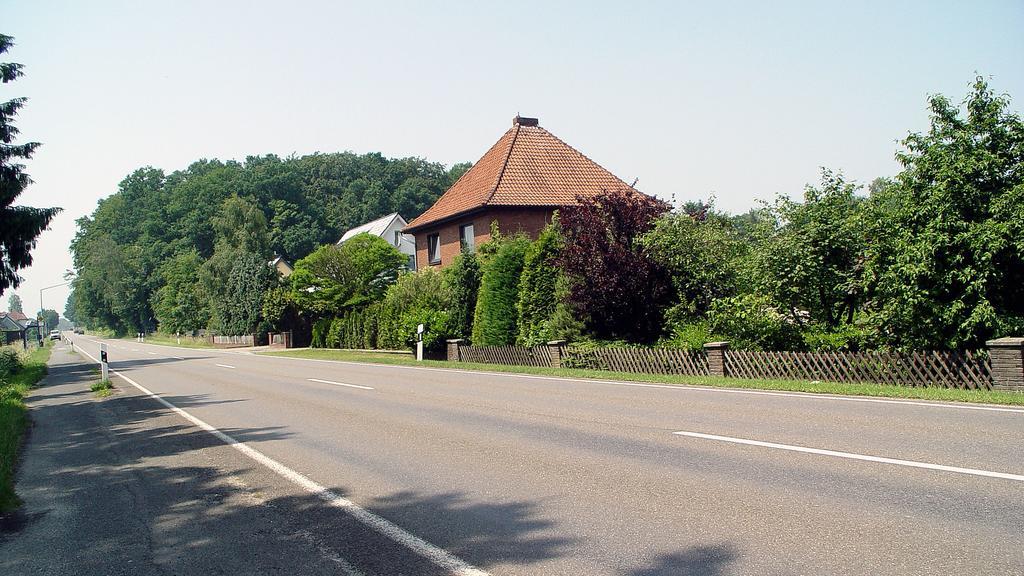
column 225, row 366
column 205, row 350
column 339, row 383
column 439, row 556
column 177, row 357
column 680, row 387
column 852, row 456
column 153, row 353
column 135, row 349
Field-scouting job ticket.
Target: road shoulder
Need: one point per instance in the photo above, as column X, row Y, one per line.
column 122, row 485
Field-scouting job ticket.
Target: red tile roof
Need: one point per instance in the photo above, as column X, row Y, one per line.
column 528, row 166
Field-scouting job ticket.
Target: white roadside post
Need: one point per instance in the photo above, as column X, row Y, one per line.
column 103, row 361
column 419, row 343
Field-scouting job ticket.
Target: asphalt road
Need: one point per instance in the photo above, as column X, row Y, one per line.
column 394, row 470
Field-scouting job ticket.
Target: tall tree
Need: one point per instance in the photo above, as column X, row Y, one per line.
column 14, row 304
column 946, row 258
column 249, row 280
column 810, row 254
column 703, row 252
column 180, row 305
column 19, row 225
column 69, row 307
column 50, row 319
column 338, row 277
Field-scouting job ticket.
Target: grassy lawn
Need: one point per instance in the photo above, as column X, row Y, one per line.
column 14, row 418
column 938, row 394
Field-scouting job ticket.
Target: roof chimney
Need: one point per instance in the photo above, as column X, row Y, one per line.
column 523, row 121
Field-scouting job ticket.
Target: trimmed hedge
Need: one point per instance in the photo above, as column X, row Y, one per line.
column 494, row 321
column 537, row 298
column 462, row 281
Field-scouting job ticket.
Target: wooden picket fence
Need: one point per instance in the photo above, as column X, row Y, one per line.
column 945, row 369
column 638, row 360
column 511, row 355
column 240, row 341
column 952, row 369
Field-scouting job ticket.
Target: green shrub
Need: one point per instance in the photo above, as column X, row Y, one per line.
column 537, row 299
column 10, row 361
column 751, row 322
column 564, row 324
column 412, row 297
column 846, row 337
column 462, row 281
column 334, row 333
column 494, row 321
column 320, row 329
column 435, row 323
column 689, row 336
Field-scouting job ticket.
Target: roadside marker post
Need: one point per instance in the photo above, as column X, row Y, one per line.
column 419, row 343
column 103, row 362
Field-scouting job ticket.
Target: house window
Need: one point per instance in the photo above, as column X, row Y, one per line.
column 467, row 237
column 434, row 249
column 398, row 238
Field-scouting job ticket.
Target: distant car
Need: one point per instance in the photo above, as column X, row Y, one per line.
column 54, row 334
column 79, row 331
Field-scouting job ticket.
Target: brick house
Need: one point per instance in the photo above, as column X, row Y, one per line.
column 519, row 183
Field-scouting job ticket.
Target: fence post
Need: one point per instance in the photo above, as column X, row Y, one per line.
column 716, row 357
column 555, row 352
column 1007, row 358
column 453, row 350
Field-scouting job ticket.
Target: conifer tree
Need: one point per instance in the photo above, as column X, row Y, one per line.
column 19, row 225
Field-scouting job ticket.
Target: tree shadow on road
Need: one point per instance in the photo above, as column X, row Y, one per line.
column 125, row 485
column 693, row 561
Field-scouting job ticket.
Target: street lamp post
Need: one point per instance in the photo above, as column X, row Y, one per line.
column 40, row 319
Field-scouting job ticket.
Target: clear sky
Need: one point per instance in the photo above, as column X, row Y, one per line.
column 742, row 100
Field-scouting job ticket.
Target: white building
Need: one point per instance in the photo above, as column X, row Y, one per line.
column 389, row 228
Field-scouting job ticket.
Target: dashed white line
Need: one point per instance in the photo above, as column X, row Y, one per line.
column 852, row 456
column 152, row 353
column 339, row 384
column 439, row 556
column 225, row 366
column 678, row 387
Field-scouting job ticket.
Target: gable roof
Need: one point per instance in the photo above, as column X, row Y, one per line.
column 18, row 317
column 9, row 324
column 376, row 227
column 528, row 166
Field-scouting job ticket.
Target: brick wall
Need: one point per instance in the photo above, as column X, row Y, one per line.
column 510, row 220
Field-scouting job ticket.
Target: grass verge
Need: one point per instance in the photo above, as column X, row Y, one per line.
column 171, row 340
column 877, row 390
column 103, row 388
column 14, row 418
